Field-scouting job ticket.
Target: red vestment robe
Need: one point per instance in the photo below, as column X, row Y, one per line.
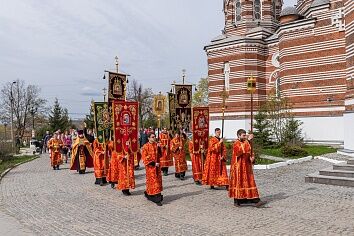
column 113, row 172
column 196, row 158
column 82, row 154
column 55, row 156
column 166, row 159
column 150, row 157
column 100, row 161
column 177, row 149
column 126, row 180
column 215, row 172
column 242, row 183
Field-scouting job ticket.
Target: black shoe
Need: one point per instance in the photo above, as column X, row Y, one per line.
column 53, row 167
column 97, row 181
column 198, row 183
column 57, row 167
column 146, row 195
column 177, row 175
column 159, row 203
column 104, row 180
column 112, row 185
column 181, row 177
column 101, row 183
column 212, row 187
column 126, row 192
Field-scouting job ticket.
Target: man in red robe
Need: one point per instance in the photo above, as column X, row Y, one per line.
column 113, row 170
column 55, row 144
column 166, row 159
column 151, row 157
column 100, row 162
column 215, row 172
column 126, row 179
column 177, row 149
column 243, row 187
column 82, row 154
column 196, row 157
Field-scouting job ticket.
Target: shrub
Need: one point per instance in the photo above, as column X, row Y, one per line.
column 293, row 151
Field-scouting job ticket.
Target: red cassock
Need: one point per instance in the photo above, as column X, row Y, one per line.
column 179, row 155
column 215, row 172
column 112, row 175
column 153, row 173
column 126, row 179
column 242, row 183
column 196, row 158
column 100, row 161
column 55, row 156
column 166, row 158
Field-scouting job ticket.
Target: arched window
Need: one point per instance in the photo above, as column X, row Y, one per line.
column 227, row 76
column 257, row 10
column 238, row 11
column 277, row 87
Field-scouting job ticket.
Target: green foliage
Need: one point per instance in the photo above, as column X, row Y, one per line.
column 13, row 160
column 262, row 128
column 317, row 150
column 89, row 119
column 293, row 151
column 292, row 133
column 59, row 118
column 200, row 97
column 5, row 150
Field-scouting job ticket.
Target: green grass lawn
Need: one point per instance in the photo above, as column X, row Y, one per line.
column 8, row 163
column 313, row 150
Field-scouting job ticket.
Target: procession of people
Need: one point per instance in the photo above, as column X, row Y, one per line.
column 208, row 166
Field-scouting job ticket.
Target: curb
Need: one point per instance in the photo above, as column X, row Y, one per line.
column 275, row 165
column 8, row 169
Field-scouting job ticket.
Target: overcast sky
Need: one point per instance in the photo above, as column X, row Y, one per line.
column 65, row 46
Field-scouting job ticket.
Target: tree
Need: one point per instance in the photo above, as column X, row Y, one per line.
column 200, row 97
column 144, row 97
column 24, row 98
column 59, row 118
column 292, row 133
column 89, row 119
column 262, row 128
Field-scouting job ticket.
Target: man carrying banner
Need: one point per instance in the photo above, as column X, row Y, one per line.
column 151, row 157
column 177, row 148
column 81, row 154
column 100, row 162
column 166, row 159
column 196, row 157
column 55, row 144
column 126, row 179
column 243, row 187
column 215, row 172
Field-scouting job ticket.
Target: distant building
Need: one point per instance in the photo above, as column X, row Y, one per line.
column 304, row 53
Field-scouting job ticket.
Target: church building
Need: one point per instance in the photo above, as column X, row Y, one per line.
column 303, row 53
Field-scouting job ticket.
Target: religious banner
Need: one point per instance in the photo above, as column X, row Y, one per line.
column 159, row 104
column 125, row 122
column 102, row 121
column 116, row 86
column 200, row 128
column 172, row 111
column 183, row 104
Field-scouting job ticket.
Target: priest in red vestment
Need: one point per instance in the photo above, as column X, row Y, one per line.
column 178, row 153
column 126, row 179
column 243, row 187
column 196, row 157
column 166, row 158
column 151, row 157
column 215, row 172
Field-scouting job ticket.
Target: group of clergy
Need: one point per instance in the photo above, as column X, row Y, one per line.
column 208, row 166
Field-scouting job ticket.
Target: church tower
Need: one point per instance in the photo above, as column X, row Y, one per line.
column 242, row 16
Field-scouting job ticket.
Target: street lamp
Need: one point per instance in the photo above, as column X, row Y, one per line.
column 33, row 111
column 12, row 117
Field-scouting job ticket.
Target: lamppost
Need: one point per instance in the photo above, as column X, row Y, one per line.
column 33, row 111
column 251, row 88
column 12, row 117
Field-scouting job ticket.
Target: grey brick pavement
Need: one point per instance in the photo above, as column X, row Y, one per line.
column 64, row 203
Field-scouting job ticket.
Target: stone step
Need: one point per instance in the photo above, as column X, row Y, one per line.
column 350, row 162
column 330, row 180
column 343, row 167
column 338, row 173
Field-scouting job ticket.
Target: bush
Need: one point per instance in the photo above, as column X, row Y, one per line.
column 5, row 150
column 293, row 151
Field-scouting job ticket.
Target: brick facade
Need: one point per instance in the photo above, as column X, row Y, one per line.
column 304, row 54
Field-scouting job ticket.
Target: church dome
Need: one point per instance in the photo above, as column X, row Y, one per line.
column 287, row 11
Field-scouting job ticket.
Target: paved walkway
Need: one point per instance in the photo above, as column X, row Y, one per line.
column 62, row 202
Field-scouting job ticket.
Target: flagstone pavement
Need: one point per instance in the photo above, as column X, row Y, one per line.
column 35, row 198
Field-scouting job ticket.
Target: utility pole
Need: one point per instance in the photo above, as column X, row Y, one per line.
column 12, row 117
